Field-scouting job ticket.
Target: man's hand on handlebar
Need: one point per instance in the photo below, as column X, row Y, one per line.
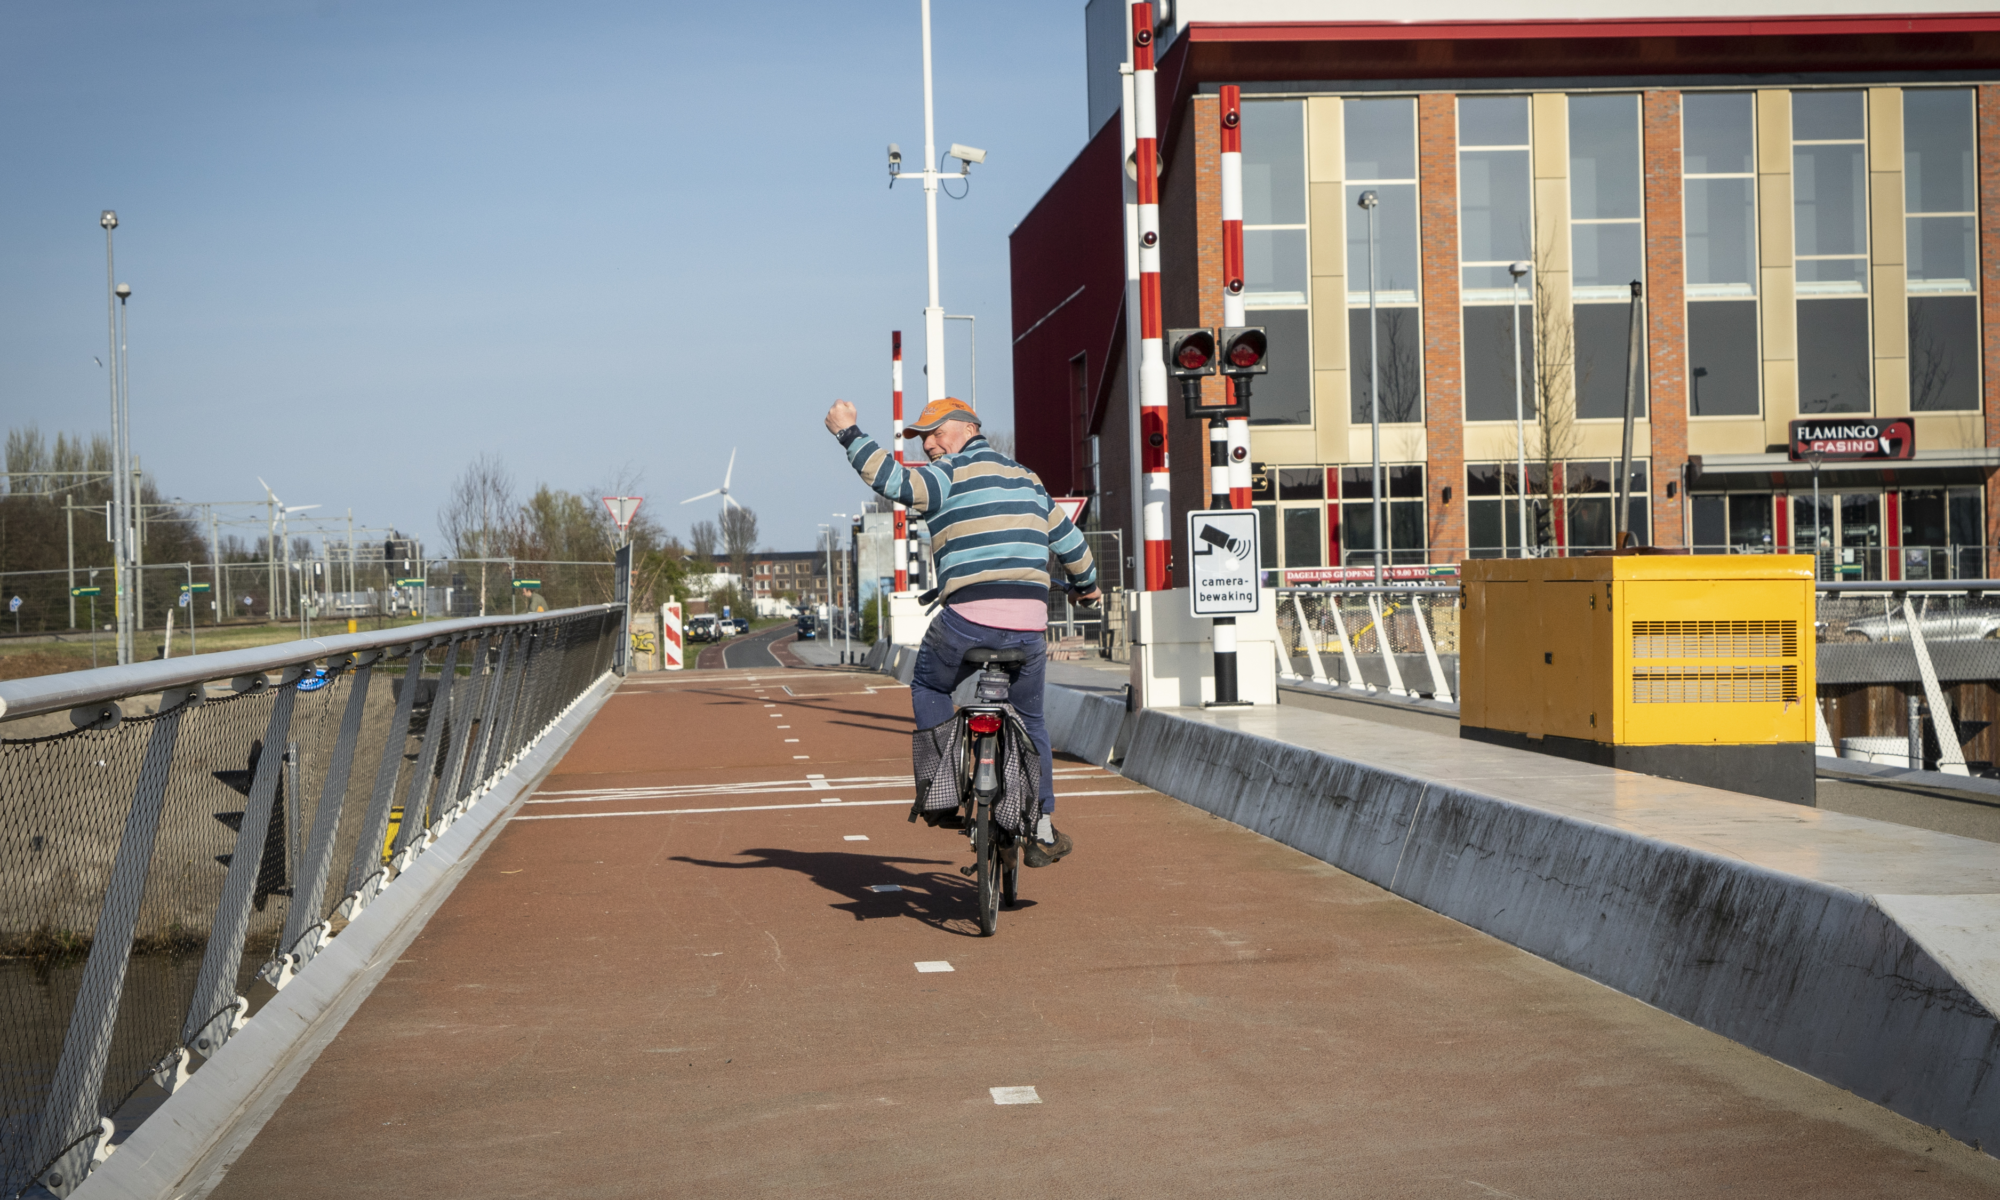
column 1090, row 599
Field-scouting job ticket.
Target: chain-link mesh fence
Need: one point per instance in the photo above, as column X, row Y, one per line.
column 160, row 851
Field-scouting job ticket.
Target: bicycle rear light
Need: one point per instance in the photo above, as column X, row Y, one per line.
column 985, row 722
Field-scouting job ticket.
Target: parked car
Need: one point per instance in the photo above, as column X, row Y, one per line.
column 741, row 625
column 1936, row 627
column 808, row 628
column 703, row 628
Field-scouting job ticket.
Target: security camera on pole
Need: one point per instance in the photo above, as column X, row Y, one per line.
column 934, row 372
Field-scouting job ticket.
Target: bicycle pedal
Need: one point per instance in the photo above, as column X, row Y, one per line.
column 968, row 871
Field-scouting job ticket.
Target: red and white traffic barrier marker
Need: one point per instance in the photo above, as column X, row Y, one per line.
column 1238, row 448
column 902, row 532
column 671, row 642
column 1152, row 361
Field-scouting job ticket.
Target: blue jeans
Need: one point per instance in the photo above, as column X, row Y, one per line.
column 941, row 667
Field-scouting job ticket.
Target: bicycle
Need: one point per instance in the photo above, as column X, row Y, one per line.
column 996, row 852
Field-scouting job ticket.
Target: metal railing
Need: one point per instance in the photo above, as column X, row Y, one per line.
column 1401, row 638
column 171, row 832
column 1908, row 673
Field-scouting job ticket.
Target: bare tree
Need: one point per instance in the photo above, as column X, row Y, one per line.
column 1003, row 442
column 481, row 517
column 703, row 539
column 739, row 536
column 1553, row 376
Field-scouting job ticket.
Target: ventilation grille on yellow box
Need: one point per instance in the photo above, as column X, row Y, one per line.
column 1720, row 683
column 1716, row 685
column 1715, row 639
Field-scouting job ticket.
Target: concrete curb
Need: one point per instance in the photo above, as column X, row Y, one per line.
column 185, row 1146
column 1889, row 996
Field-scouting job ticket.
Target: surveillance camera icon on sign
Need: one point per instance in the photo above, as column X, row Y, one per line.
column 1215, row 537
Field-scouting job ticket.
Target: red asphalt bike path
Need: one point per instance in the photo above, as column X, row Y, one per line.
column 677, row 972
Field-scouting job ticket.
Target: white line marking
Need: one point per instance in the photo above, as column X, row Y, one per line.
column 855, row 837
column 789, row 741
column 675, row 812
column 784, row 726
column 798, row 756
column 829, row 800
column 1015, row 1095
column 933, row 967
column 885, row 887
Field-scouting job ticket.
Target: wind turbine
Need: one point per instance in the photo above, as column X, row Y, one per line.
column 280, row 512
column 722, row 491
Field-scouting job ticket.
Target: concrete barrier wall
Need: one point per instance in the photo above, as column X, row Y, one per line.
column 1816, row 975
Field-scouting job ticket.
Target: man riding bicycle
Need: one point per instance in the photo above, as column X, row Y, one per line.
column 992, row 531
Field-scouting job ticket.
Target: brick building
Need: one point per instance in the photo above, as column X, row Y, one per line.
column 1811, row 200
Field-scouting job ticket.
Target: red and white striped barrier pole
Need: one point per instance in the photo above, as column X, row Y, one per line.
column 671, row 650
column 902, row 532
column 1232, row 278
column 1152, row 360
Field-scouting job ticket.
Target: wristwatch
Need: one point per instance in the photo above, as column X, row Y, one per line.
column 848, row 435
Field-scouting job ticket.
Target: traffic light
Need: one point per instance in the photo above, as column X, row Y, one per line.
column 1191, row 358
column 1245, row 352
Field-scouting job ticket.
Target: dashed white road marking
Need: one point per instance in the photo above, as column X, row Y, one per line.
column 885, row 887
column 855, row 837
column 789, row 741
column 676, row 812
column 829, row 800
column 799, row 756
column 1015, row 1095
column 933, row 967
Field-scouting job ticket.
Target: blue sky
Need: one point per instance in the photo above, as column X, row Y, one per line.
column 368, row 241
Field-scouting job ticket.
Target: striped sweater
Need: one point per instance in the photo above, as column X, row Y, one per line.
column 992, row 525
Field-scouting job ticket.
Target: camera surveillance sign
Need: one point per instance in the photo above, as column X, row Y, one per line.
column 1222, row 558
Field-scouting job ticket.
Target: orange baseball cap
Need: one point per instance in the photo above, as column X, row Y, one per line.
column 937, row 412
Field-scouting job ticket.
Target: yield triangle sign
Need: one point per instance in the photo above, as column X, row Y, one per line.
column 1072, row 507
column 623, row 509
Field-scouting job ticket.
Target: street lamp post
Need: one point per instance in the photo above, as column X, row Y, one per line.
column 934, row 318
column 109, row 221
column 846, row 640
column 1520, row 422
column 972, row 354
column 1368, row 202
column 1815, row 457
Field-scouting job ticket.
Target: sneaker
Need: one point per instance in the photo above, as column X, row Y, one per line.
column 1045, row 855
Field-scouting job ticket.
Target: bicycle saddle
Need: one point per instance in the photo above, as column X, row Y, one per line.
column 986, row 656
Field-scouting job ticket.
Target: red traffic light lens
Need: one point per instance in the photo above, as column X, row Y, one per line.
column 984, row 722
column 1242, row 354
column 1192, row 357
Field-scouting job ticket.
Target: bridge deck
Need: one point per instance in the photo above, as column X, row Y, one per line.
column 705, row 997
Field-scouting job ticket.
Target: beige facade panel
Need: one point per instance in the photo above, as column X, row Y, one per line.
column 1885, row 217
column 1552, row 232
column 1949, row 431
column 1726, row 435
column 1286, row 446
column 1548, row 114
column 1889, row 309
column 1401, row 444
column 1493, row 441
column 1774, row 136
column 1606, row 439
column 1885, row 130
column 1781, row 399
column 1326, row 146
column 1774, row 221
column 1327, row 234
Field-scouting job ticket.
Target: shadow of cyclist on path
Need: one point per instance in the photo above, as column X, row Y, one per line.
column 943, row 899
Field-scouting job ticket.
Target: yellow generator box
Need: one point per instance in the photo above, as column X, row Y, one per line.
column 1695, row 667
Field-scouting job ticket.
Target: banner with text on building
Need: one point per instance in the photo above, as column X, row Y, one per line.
column 1854, row 439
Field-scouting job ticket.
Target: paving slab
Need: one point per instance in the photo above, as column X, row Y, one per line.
column 726, row 993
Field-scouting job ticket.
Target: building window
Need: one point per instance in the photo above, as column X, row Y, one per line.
column 1380, row 137
column 1402, row 515
column 1726, row 524
column 1493, row 510
column 1588, row 502
column 1607, row 249
column 1276, row 263
column 1495, row 214
column 1719, row 215
column 1940, row 183
column 1830, row 244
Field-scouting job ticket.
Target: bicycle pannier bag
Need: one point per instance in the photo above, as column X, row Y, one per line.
column 937, row 756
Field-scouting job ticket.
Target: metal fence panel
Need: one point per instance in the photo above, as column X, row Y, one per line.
column 193, row 834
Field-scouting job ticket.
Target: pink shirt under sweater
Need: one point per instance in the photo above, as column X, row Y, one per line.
column 1005, row 612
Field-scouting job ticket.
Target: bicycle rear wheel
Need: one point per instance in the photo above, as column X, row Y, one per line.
column 1010, row 875
column 986, row 855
